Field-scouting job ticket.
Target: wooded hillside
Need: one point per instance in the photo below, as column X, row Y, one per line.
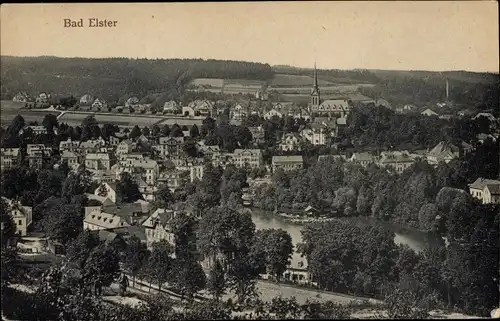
column 115, row 78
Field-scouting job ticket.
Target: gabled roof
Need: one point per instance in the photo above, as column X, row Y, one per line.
column 444, row 149
column 161, row 216
column 362, row 156
column 492, row 184
column 288, row 159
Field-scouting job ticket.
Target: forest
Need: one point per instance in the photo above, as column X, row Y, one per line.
column 115, row 78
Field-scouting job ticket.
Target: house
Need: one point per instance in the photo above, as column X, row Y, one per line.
column 38, row 155
column 86, row 100
column 43, row 98
column 248, row 158
column 10, row 157
column 98, row 161
column 200, row 108
column 207, row 150
column 172, row 107
column 125, row 147
column 398, row 160
column 315, row 134
column 99, row 103
column 261, row 94
column 73, row 159
column 290, row 141
column 107, row 190
column 364, row 159
column 132, row 102
column 69, row 145
column 99, row 220
column 486, row 190
column 331, row 158
column 158, row 226
column 409, row 107
column 131, row 213
column 287, row 163
column 146, row 168
column 91, row 145
column 21, row 97
column 271, row 113
column 173, row 179
column 36, row 130
column 238, row 112
column 332, row 107
column 442, row 152
column 196, row 172
column 188, row 111
column 258, row 133
column 21, row 215
column 429, row 112
column 481, row 138
column 169, row 146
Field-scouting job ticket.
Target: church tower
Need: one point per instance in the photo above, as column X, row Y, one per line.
column 315, row 96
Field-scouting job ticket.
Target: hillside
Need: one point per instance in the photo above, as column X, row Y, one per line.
column 116, row 78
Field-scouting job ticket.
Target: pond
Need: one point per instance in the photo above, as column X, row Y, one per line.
column 415, row 239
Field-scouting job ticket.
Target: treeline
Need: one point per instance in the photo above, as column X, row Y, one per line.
column 112, row 78
column 338, row 188
column 382, row 127
column 333, row 75
column 426, row 91
column 365, row 260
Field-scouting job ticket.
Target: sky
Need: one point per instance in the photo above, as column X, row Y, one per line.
column 404, row 35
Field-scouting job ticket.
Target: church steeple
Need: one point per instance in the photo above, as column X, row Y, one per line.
column 315, row 83
column 315, row 95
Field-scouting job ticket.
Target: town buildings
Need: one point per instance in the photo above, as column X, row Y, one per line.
column 158, row 226
column 21, row 215
column 287, row 163
column 10, row 157
column 442, row 152
column 486, row 190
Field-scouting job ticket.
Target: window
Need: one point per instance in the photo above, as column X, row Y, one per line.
column 20, row 222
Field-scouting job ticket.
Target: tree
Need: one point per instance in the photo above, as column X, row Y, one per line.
column 8, row 226
column 176, row 132
column 75, row 184
column 101, row 267
column 404, row 304
column 127, row 189
column 427, row 217
column 163, row 197
column 275, row 246
column 165, row 130
column 135, row 133
column 189, row 276
column 102, row 191
column 155, row 130
column 63, row 221
column 228, row 233
column 145, row 131
column 50, row 122
column 79, row 249
column 194, row 131
column 216, row 280
column 136, row 255
column 160, row 262
column 89, row 128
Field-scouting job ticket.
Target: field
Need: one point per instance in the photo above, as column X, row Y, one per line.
column 285, row 80
column 9, row 110
column 214, row 82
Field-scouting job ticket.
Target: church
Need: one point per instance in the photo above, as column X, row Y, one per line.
column 332, row 108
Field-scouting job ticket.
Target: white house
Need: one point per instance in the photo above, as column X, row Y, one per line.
column 486, row 190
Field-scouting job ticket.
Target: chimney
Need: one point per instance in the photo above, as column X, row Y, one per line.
column 447, row 90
